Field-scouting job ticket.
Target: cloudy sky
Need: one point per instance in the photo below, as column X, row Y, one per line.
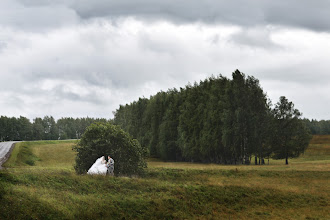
column 83, row 58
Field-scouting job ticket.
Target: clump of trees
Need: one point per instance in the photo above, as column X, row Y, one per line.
column 218, row 120
column 108, row 139
column 46, row 128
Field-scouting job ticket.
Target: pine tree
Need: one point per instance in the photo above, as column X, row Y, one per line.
column 291, row 137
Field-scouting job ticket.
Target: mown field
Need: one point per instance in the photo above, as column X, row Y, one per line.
column 40, row 183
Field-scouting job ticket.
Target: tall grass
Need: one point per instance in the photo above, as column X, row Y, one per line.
column 50, row 189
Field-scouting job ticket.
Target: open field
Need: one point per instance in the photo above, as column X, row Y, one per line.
column 40, row 183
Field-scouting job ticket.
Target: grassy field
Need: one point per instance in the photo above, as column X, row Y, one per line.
column 40, row 183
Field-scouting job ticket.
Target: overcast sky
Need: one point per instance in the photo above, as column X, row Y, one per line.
column 78, row 58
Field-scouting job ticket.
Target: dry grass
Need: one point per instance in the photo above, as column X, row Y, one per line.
column 51, row 189
column 54, row 156
column 320, row 139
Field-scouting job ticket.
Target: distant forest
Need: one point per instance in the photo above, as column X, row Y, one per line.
column 217, row 120
column 318, row 127
column 47, row 128
column 19, row 129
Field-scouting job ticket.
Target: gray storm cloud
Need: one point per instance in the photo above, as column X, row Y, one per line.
column 308, row 14
column 313, row 15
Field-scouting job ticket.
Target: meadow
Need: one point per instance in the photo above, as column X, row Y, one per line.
column 39, row 182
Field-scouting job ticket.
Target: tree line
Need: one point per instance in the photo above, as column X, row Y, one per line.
column 217, row 120
column 46, row 128
column 321, row 127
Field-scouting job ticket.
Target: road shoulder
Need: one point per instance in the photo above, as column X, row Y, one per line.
column 5, row 158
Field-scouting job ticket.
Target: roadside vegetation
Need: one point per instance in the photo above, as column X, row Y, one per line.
column 49, row 188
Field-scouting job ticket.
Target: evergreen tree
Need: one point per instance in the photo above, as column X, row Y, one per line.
column 168, row 131
column 292, row 137
column 24, row 129
column 38, row 129
column 216, row 120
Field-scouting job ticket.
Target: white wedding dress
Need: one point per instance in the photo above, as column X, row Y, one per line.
column 99, row 167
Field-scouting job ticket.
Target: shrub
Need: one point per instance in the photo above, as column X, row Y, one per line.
column 30, row 162
column 103, row 139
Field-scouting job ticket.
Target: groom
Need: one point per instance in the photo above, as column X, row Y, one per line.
column 110, row 166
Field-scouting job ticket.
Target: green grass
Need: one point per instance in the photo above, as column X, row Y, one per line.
column 50, row 189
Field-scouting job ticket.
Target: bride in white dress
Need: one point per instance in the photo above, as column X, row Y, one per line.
column 99, row 167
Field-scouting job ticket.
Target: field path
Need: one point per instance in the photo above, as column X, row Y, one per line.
column 5, row 150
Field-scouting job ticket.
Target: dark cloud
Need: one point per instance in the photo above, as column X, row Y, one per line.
column 34, row 16
column 45, row 14
column 308, row 14
column 208, row 11
column 312, row 15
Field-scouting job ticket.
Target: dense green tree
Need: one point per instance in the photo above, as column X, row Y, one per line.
column 3, row 128
column 51, row 131
column 38, row 129
column 156, row 110
column 12, row 131
column 259, row 129
column 191, row 123
column 292, row 137
column 102, row 139
column 216, row 120
column 168, row 130
column 24, row 129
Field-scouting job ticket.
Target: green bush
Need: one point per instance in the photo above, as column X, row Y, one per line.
column 103, row 139
column 30, row 162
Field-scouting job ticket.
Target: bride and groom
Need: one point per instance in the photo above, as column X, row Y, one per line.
column 101, row 166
